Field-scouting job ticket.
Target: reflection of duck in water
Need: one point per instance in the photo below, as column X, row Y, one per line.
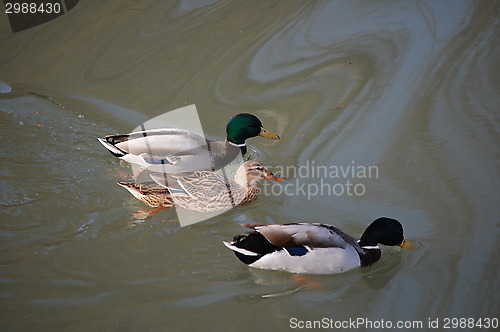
column 204, row 191
column 176, row 150
column 381, row 274
column 315, row 248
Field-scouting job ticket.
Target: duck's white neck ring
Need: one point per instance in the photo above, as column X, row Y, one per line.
column 238, row 145
column 370, row 247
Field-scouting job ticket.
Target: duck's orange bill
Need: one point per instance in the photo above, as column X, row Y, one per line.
column 406, row 244
column 271, row 176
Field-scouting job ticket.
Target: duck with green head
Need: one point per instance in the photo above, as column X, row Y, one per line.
column 315, row 248
column 172, row 150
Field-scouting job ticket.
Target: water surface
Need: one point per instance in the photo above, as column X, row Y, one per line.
column 411, row 88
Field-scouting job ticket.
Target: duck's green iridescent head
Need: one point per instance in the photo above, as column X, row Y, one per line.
column 385, row 231
column 244, row 126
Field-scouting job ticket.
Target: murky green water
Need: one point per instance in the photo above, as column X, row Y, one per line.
column 410, row 88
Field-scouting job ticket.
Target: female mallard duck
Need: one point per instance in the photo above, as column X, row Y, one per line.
column 172, row 151
column 205, row 191
column 315, row 248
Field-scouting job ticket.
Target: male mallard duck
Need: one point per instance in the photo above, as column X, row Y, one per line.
column 205, row 191
column 171, row 150
column 315, row 248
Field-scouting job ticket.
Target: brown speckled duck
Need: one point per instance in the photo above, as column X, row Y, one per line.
column 204, row 191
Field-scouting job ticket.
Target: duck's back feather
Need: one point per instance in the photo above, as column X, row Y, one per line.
column 161, row 142
column 303, row 234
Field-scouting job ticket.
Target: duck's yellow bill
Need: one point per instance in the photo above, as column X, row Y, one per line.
column 406, row 244
column 268, row 134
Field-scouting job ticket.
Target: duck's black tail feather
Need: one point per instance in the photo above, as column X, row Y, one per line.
column 251, row 247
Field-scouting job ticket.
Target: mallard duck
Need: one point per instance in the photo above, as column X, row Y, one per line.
column 315, row 248
column 205, row 191
column 172, row 150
